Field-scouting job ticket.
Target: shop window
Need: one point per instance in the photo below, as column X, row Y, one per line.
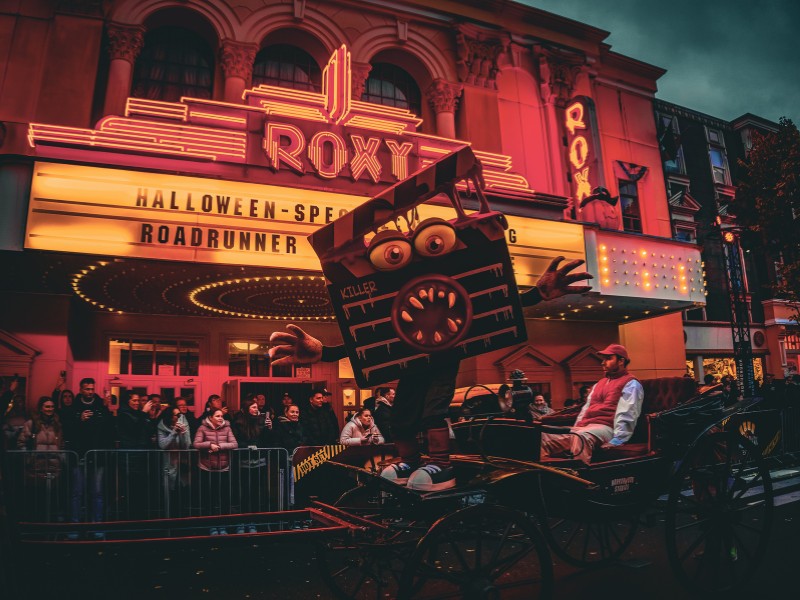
column 792, row 341
column 174, row 62
column 287, row 66
column 727, row 366
column 690, row 369
column 629, row 203
column 717, row 156
column 166, row 358
column 684, row 234
column 392, row 86
column 251, row 359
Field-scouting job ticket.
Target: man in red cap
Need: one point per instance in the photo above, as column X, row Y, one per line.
column 609, row 414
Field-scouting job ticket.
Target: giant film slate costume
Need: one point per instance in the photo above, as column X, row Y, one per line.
column 412, row 302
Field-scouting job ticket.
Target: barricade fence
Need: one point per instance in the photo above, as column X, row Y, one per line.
column 133, row 485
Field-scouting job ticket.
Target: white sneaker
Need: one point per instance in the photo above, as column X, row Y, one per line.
column 432, row 478
column 397, row 472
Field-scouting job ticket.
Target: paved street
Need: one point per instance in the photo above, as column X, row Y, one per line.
column 240, row 569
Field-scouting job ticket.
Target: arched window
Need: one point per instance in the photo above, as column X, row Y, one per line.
column 287, row 66
column 392, row 86
column 174, row 62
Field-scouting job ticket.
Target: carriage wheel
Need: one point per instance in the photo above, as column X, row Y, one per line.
column 353, row 569
column 584, row 543
column 483, row 551
column 369, row 567
column 718, row 518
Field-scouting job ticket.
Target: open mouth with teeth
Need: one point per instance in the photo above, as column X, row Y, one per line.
column 432, row 313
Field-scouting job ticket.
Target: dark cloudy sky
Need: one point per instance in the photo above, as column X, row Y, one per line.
column 723, row 57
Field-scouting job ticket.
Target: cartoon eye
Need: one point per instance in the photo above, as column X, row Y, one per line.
column 389, row 250
column 434, row 237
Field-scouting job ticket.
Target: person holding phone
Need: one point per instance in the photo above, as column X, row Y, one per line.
column 174, row 437
column 93, row 429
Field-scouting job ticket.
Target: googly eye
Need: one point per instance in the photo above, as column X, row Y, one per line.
column 434, row 237
column 389, row 250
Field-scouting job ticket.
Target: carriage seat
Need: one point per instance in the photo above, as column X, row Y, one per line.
column 659, row 394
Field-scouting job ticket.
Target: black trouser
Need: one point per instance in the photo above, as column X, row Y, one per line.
column 423, row 397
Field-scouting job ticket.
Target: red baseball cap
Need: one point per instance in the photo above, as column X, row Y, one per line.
column 617, row 349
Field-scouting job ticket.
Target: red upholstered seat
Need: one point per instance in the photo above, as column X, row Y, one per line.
column 659, row 394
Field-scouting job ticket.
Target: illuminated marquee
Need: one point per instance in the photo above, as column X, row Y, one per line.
column 120, row 212
column 583, row 151
column 297, row 137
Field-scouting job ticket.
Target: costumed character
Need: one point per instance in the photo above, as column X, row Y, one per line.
column 413, row 302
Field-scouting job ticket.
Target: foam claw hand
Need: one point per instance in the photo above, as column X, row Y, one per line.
column 294, row 347
column 556, row 280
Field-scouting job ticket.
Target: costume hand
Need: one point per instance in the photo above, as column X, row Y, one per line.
column 295, row 347
column 555, row 281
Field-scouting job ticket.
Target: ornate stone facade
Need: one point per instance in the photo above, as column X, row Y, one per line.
column 124, row 41
column 477, row 56
column 558, row 72
column 443, row 95
column 360, row 73
column 237, row 59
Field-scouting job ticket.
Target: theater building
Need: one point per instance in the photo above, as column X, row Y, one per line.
column 162, row 163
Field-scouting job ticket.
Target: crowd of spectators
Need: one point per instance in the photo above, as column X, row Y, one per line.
column 83, row 422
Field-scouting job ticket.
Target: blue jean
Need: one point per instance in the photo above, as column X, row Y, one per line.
column 95, row 482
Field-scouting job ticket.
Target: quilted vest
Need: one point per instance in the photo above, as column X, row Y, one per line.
column 605, row 396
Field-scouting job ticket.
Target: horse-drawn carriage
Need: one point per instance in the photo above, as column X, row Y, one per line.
column 492, row 536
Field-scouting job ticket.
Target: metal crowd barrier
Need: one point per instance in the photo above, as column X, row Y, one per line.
column 132, row 485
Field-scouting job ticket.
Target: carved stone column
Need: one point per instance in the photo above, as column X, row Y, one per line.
column 443, row 98
column 478, row 53
column 359, row 74
column 237, row 60
column 124, row 44
column 558, row 73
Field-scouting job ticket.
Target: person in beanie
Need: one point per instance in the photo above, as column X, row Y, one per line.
column 608, row 416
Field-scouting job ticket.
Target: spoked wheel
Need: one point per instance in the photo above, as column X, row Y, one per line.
column 584, row 543
column 719, row 513
column 482, row 551
column 370, row 566
column 353, row 569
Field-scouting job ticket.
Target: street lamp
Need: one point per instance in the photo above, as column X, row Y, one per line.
column 737, row 297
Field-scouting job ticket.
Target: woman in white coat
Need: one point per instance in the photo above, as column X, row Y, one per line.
column 361, row 430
